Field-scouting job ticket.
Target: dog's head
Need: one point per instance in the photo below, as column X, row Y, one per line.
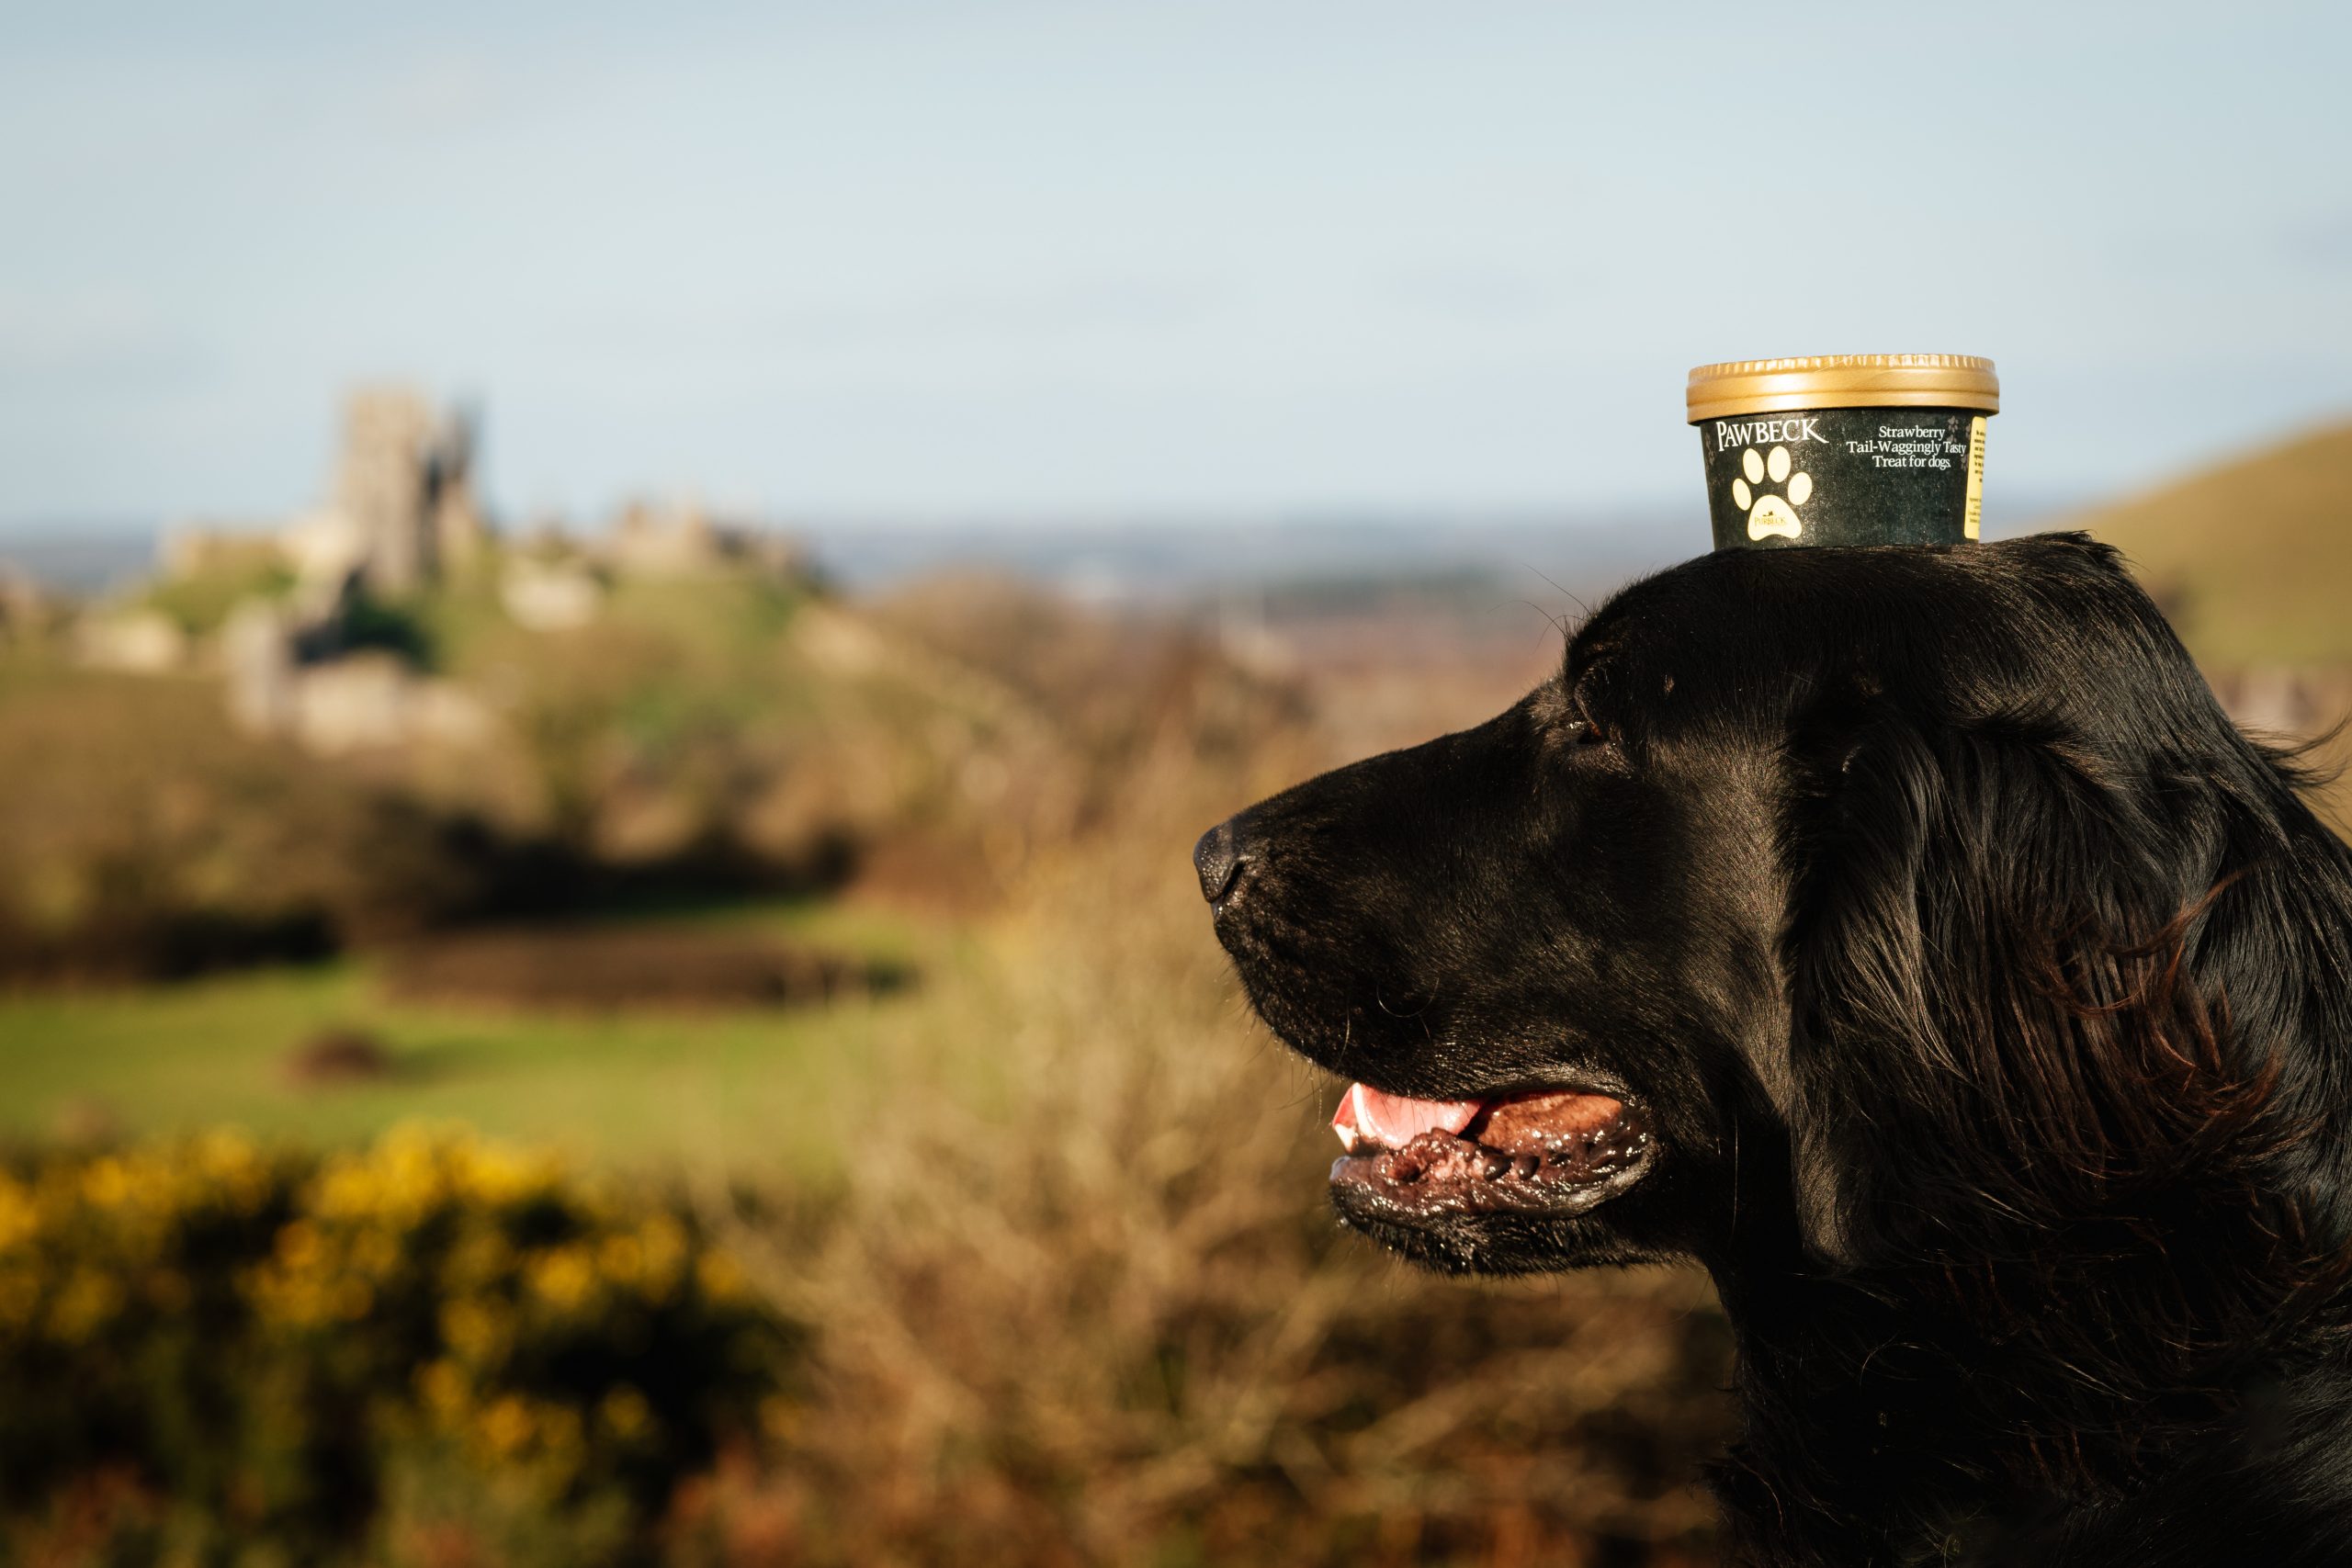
column 1828, row 902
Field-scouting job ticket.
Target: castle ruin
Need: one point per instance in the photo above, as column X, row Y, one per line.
column 403, row 490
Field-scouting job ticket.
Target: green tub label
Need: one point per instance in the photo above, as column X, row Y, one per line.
column 1844, row 476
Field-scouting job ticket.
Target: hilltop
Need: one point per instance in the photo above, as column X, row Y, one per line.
column 2252, row 558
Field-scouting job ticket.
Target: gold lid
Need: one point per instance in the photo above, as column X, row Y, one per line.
column 1842, row 381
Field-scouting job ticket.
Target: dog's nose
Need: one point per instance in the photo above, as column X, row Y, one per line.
column 1218, row 857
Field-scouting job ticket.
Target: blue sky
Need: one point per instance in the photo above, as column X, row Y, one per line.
column 1107, row 261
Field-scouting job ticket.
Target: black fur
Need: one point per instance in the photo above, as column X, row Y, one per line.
column 1991, row 996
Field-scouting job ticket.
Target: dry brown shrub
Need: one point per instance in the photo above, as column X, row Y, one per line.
column 335, row 1056
column 1098, row 1314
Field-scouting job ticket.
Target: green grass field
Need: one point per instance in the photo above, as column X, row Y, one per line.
column 770, row 1088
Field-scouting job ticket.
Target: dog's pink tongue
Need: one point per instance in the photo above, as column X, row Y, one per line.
column 1391, row 1120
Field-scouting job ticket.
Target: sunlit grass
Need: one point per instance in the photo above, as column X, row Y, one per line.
column 779, row 1089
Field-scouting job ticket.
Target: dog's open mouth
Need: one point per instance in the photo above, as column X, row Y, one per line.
column 1545, row 1152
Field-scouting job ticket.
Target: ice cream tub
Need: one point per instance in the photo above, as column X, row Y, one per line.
column 1844, row 448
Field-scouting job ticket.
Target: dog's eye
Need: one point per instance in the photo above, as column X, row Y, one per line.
column 1581, row 692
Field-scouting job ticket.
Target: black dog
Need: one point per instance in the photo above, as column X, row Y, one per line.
column 1908, row 936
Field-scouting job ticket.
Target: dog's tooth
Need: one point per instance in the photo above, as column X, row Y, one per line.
column 1347, row 1121
column 1524, row 1166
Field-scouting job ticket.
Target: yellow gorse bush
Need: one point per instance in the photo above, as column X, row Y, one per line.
column 84, row 1241
column 430, row 1290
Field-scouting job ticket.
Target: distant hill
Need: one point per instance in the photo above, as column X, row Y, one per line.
column 2253, row 560
column 84, row 559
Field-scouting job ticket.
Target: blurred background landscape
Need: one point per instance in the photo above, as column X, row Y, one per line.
column 612, row 637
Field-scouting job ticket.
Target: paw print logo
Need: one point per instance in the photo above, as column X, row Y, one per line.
column 1770, row 513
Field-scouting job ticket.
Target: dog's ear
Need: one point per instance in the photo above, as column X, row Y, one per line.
column 1998, row 1025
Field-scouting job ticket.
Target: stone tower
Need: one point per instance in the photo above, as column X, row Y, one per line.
column 405, row 487
column 456, row 517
